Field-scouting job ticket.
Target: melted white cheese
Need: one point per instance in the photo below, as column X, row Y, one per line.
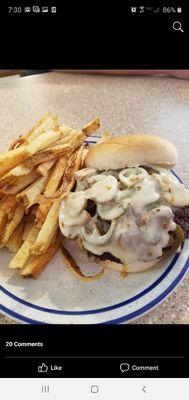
column 137, row 206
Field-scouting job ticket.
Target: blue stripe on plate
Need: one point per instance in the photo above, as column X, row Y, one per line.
column 100, row 310
column 125, row 318
column 174, row 173
column 18, row 316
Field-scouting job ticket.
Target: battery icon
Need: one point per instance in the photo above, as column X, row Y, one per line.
column 179, row 9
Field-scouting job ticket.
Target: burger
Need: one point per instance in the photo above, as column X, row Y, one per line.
column 127, row 203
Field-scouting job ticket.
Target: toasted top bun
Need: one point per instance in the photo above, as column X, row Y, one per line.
column 132, row 150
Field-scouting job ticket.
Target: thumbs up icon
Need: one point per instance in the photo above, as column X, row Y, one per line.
column 43, row 368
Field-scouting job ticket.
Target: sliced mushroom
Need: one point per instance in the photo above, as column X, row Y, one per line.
column 122, row 194
column 68, row 231
column 130, row 176
column 84, row 173
column 173, row 191
column 95, row 178
column 177, row 196
column 68, row 220
column 75, row 203
column 155, row 220
column 104, row 190
column 95, row 238
column 82, row 178
column 111, row 213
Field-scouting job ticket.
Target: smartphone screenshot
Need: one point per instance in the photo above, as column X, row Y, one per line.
column 94, row 200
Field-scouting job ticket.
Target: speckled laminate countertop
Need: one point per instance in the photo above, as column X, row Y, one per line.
column 158, row 105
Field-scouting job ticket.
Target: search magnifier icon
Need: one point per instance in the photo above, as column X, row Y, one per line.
column 177, row 26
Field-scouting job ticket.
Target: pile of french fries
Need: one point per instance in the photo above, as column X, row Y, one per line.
column 36, row 173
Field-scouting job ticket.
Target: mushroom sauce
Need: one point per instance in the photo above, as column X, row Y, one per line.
column 133, row 212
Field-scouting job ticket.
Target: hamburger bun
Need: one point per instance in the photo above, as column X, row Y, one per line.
column 130, row 151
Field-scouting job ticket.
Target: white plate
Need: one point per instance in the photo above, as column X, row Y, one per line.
column 124, row 105
column 58, row 297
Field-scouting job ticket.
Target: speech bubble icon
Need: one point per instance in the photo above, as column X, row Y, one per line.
column 124, row 367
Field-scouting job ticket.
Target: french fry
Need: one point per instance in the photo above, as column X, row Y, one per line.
column 28, row 197
column 10, row 159
column 33, row 209
column 45, row 166
column 85, row 151
column 2, row 200
column 56, row 176
column 78, row 139
column 48, row 122
column 28, row 227
column 14, row 174
column 72, row 166
column 43, row 141
column 67, row 134
column 16, row 239
column 29, row 220
column 50, row 189
column 11, row 225
column 8, row 204
column 48, row 154
column 66, row 138
column 35, row 174
column 22, row 183
column 3, row 221
column 37, row 264
column 91, row 127
column 21, row 257
column 48, row 230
